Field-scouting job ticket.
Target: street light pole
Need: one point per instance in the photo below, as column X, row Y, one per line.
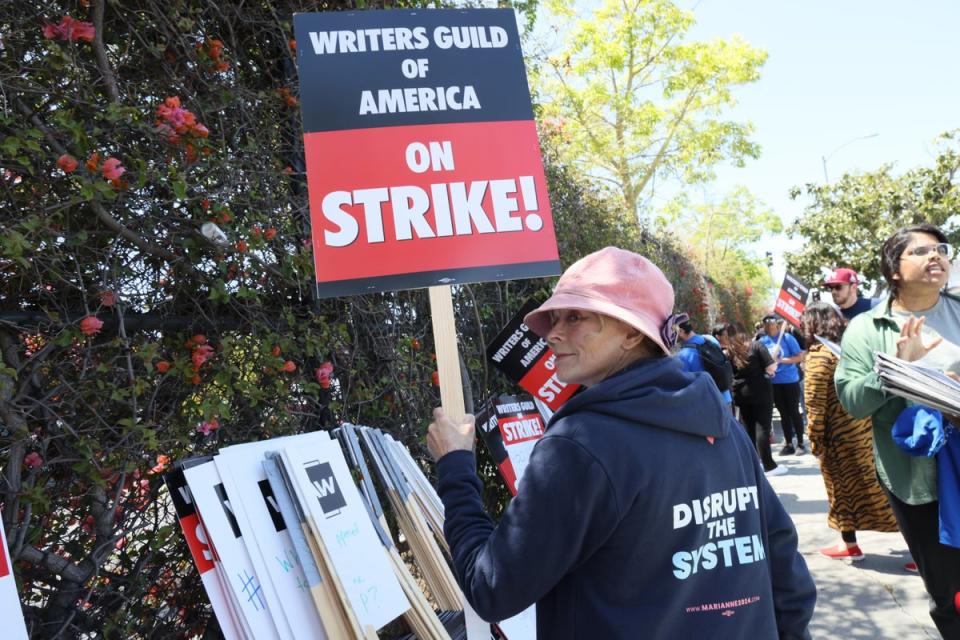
column 824, row 159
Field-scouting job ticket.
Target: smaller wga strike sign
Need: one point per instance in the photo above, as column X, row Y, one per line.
column 792, row 299
column 423, row 163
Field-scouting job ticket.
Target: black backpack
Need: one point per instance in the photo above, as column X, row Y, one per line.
column 716, row 364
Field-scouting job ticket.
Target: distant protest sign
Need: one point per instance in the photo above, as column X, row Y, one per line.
column 792, row 299
column 423, row 163
column 525, row 358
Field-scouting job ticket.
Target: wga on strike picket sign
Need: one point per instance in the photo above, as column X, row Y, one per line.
column 792, row 299
column 525, row 358
column 423, row 163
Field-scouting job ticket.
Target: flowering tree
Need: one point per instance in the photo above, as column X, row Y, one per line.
column 155, row 272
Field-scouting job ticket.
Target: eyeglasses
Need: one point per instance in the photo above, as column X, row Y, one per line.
column 944, row 249
column 835, row 287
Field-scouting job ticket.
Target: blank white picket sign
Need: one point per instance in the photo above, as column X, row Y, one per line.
column 359, row 558
column 10, row 612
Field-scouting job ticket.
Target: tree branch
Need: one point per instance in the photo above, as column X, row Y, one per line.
column 76, row 573
column 114, row 225
column 100, row 52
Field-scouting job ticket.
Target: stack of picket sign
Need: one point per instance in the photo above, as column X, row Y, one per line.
column 289, row 547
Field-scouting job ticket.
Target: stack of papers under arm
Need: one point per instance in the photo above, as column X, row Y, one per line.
column 917, row 383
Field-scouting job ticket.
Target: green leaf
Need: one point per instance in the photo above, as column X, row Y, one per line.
column 180, row 189
column 10, row 145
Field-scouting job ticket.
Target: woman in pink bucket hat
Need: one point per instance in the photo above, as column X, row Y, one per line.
column 644, row 511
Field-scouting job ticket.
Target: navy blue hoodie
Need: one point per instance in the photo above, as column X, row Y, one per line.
column 630, row 523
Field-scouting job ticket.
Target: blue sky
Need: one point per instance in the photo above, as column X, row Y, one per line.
column 838, row 71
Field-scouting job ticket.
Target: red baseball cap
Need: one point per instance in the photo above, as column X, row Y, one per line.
column 842, row 276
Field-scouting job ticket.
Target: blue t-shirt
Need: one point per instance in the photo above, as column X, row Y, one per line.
column 786, row 373
column 690, row 358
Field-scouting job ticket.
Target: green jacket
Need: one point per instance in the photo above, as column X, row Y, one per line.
column 912, row 479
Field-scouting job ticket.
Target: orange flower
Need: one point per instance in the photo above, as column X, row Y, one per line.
column 93, row 163
column 67, row 163
column 201, row 353
column 208, row 426
column 163, row 461
column 214, row 48
column 435, row 378
column 91, row 325
column 323, row 374
column 289, row 366
column 163, row 366
column 69, row 29
column 112, row 169
column 275, row 351
column 242, row 246
column 270, row 233
column 288, row 99
column 175, row 121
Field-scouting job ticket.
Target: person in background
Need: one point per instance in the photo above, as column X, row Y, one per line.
column 919, row 322
column 843, row 444
column 607, row 536
column 690, row 356
column 753, row 393
column 802, row 343
column 787, row 354
column 719, row 332
column 842, row 284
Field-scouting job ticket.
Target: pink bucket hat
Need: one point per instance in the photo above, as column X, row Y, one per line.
column 616, row 283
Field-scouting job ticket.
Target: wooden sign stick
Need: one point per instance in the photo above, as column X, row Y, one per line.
column 448, row 354
column 448, row 367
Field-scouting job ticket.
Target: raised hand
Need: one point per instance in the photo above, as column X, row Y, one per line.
column 910, row 344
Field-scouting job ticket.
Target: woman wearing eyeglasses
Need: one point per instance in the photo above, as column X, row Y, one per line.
column 919, row 322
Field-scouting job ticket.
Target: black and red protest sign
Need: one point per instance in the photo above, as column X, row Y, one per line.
column 792, row 299
column 510, row 426
column 423, row 162
column 200, row 549
column 525, row 358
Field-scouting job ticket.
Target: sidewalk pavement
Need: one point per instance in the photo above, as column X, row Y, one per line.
column 875, row 598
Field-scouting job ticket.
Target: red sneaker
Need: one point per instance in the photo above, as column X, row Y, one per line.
column 843, row 552
column 912, row 567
